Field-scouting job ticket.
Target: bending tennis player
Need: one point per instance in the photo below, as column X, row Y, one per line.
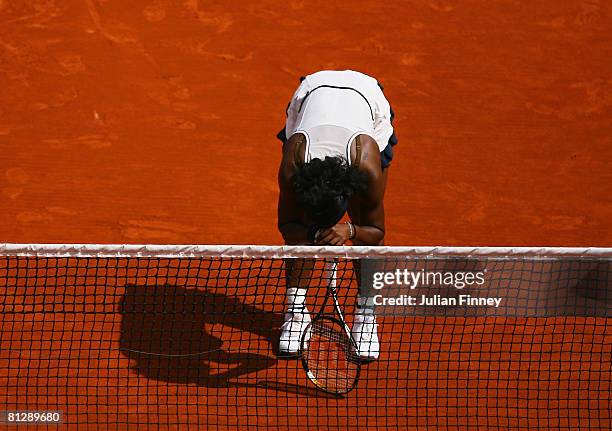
column 337, row 148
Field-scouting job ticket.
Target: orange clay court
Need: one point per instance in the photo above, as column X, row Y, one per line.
column 154, row 122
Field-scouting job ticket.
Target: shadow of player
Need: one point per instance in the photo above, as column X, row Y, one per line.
column 190, row 336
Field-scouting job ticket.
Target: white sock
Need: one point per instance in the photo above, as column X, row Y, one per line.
column 296, row 297
column 365, row 305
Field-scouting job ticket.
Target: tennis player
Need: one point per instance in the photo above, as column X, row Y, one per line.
column 337, row 147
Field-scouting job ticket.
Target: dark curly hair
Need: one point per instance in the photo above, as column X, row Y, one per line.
column 326, row 184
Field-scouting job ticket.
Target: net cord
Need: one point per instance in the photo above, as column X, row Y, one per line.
column 275, row 252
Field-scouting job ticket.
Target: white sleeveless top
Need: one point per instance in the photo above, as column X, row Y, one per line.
column 330, row 108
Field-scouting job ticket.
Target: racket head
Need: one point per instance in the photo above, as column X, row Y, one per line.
column 328, row 356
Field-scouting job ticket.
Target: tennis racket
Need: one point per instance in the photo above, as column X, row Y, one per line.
column 327, row 349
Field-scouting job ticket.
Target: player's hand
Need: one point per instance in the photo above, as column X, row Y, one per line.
column 335, row 235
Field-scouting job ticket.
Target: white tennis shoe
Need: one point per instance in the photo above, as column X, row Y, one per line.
column 291, row 332
column 365, row 334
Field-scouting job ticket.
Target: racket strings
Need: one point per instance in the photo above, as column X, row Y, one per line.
column 330, row 357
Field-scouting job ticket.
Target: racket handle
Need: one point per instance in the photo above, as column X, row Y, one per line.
column 331, row 272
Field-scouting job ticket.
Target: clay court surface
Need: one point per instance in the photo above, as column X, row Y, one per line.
column 155, row 122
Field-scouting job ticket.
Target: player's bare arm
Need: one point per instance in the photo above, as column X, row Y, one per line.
column 291, row 218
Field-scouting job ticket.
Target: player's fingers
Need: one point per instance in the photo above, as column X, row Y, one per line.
column 322, row 232
column 337, row 241
column 332, row 237
column 325, row 239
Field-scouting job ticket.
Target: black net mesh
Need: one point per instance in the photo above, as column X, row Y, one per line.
column 119, row 342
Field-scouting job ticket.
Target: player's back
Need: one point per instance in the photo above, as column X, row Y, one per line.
column 343, row 78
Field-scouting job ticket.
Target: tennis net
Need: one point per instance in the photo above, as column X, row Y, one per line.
column 120, row 336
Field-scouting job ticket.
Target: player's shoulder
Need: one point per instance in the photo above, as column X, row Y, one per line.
column 293, row 153
column 369, row 156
